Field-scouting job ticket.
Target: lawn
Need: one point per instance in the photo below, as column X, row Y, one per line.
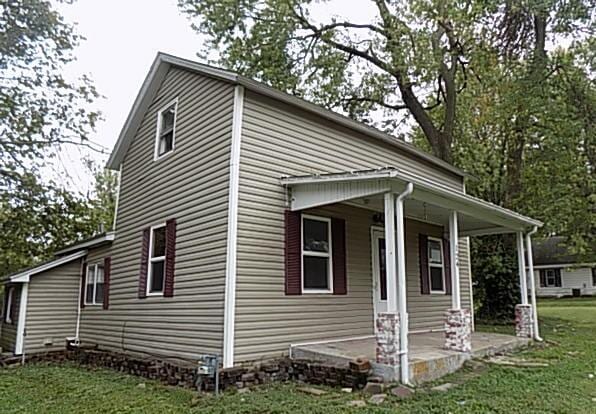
column 567, row 385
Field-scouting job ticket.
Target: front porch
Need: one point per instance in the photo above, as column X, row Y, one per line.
column 397, row 197
column 428, row 359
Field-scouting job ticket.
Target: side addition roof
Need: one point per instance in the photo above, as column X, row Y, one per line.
column 24, row 275
column 162, row 64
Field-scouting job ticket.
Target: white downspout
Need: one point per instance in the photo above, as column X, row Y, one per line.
column 521, row 264
column 532, row 282
column 401, row 283
column 77, row 328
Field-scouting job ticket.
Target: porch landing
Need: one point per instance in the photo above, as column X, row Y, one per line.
column 428, row 359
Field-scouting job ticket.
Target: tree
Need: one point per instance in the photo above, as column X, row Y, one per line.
column 36, row 219
column 412, row 56
column 39, row 107
column 41, row 110
column 482, row 80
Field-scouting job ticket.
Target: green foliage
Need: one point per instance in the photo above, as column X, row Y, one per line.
column 40, row 112
column 37, row 219
column 562, row 387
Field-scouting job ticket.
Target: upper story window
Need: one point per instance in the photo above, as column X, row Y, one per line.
column 317, row 274
column 157, row 260
column 166, row 130
column 435, row 265
column 94, row 284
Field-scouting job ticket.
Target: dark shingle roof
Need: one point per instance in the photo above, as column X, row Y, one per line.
column 554, row 251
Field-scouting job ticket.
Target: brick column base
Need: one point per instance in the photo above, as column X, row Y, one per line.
column 387, row 337
column 458, row 330
column 524, row 321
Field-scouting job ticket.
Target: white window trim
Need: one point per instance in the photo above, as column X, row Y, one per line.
column 95, row 266
column 156, row 155
column 8, row 305
column 316, row 254
column 441, row 266
column 153, row 260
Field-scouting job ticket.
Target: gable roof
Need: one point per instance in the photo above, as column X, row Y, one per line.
column 162, row 64
column 91, row 242
column 553, row 250
column 23, row 276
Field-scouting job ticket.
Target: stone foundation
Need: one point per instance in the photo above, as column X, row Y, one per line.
column 387, row 337
column 185, row 374
column 458, row 330
column 524, row 321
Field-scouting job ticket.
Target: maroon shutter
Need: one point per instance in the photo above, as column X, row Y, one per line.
column 447, row 266
column 144, row 264
column 292, row 253
column 107, row 271
column 338, row 241
column 83, row 285
column 168, row 290
column 423, row 256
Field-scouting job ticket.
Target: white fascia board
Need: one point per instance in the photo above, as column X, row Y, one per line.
column 108, row 237
column 24, row 277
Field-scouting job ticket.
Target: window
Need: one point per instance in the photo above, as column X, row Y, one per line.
column 166, row 130
column 8, row 305
column 316, row 254
column 94, row 284
column 435, row 265
column 550, row 277
column 157, row 260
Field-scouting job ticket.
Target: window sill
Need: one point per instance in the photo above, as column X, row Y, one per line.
column 162, row 156
column 317, row 292
column 154, row 294
column 438, row 292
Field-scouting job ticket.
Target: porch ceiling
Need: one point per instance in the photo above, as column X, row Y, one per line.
column 429, row 201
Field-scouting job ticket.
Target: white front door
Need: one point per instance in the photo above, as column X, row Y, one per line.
column 379, row 272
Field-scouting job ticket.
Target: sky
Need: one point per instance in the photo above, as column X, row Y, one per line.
column 122, row 39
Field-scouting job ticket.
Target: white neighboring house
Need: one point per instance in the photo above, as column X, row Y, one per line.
column 560, row 273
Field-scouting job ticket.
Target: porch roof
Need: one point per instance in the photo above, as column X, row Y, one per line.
column 429, row 201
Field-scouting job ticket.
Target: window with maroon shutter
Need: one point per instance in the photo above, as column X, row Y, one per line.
column 144, row 263
column 317, row 256
column 94, row 284
column 293, row 259
column 170, row 258
column 107, row 269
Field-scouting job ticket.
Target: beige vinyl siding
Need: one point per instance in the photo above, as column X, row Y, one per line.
column 278, row 140
column 90, row 330
column 267, row 321
column 191, row 185
column 52, row 308
column 8, row 331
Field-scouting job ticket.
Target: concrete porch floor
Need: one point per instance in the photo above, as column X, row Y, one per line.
column 428, row 359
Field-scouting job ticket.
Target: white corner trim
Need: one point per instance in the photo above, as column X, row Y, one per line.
column 20, row 340
column 117, row 202
column 234, row 184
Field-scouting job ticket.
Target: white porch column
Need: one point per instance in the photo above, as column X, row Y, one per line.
column 532, row 282
column 401, row 283
column 521, row 264
column 454, row 256
column 390, row 253
column 388, row 323
column 458, row 321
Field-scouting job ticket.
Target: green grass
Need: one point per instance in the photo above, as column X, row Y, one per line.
column 568, row 325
